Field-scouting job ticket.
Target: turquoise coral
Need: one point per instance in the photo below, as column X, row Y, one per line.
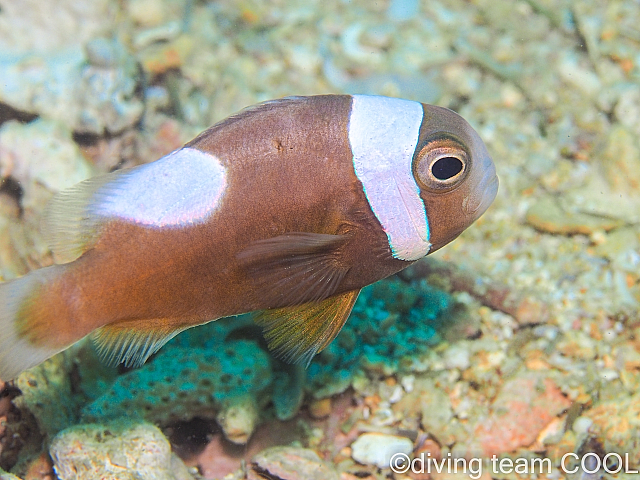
column 183, row 383
column 223, row 371
column 392, row 321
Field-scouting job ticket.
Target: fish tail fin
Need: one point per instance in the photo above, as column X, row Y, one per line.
column 28, row 321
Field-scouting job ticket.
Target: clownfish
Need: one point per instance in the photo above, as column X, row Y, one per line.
column 289, row 208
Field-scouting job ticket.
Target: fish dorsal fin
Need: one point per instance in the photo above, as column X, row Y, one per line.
column 132, row 342
column 245, row 113
column 297, row 334
column 69, row 227
column 178, row 190
column 295, row 268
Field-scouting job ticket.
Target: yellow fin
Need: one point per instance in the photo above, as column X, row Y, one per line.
column 297, row 334
column 69, row 227
column 132, row 342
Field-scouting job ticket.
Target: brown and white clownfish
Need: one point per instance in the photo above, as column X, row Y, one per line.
column 289, row 207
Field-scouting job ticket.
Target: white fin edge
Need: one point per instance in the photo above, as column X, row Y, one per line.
column 116, row 344
column 18, row 354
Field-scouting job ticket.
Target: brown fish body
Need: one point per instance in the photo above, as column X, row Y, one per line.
column 293, row 226
column 134, row 272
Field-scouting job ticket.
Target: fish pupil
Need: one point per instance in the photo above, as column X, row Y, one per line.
column 446, row 168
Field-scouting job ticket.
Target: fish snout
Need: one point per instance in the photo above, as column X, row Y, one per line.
column 482, row 195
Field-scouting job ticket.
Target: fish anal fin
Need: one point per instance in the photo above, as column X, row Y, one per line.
column 297, row 334
column 295, row 268
column 132, row 342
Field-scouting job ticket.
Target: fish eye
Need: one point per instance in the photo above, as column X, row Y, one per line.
column 446, row 167
column 441, row 164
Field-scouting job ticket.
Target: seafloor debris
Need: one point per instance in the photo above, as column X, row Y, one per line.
column 51, row 53
column 619, row 434
column 523, row 408
column 290, row 463
column 525, row 309
column 120, row 451
column 110, row 104
column 379, row 448
column 546, row 215
column 41, row 154
column 7, row 476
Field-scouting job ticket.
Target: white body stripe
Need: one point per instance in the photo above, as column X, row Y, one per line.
column 383, row 133
column 182, row 188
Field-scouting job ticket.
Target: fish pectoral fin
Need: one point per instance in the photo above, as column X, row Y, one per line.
column 70, row 227
column 295, row 268
column 297, row 334
column 132, row 342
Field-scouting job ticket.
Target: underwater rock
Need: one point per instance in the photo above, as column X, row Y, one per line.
column 12, row 263
column 577, row 75
column 182, row 383
column 64, row 86
column 615, row 424
column 525, row 405
column 525, row 309
column 108, row 83
column 39, row 158
column 38, row 466
column 378, row 448
column 287, row 381
column 436, row 409
column 159, row 58
column 48, row 399
column 45, row 27
column 147, row 13
column 607, row 199
column 41, row 153
column 7, row 476
column 320, row 408
column 119, row 451
column 238, row 418
column 621, row 160
column 403, row 10
column 290, row 463
column 547, row 216
column 47, row 394
column 627, row 109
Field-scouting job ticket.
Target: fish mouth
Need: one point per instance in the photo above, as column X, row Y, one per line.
column 483, row 195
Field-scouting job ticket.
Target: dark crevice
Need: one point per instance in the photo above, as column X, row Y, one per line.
column 9, row 113
column 361, row 474
column 263, row 473
column 189, row 438
column 85, row 139
column 10, row 186
column 172, row 82
column 247, row 332
column 10, row 390
column 610, row 113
